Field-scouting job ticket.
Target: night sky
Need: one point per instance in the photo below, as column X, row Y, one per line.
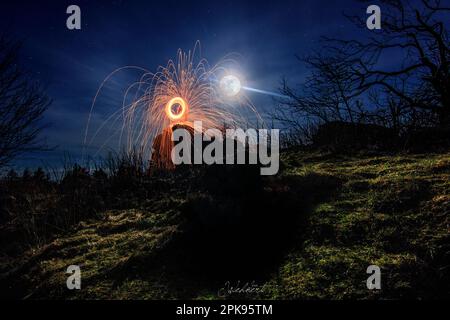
column 72, row 64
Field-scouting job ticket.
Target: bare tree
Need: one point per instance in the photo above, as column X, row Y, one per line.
column 22, row 104
column 417, row 34
column 357, row 81
column 330, row 93
column 392, row 111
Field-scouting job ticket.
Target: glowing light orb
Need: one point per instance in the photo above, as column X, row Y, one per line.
column 230, row 85
column 176, row 108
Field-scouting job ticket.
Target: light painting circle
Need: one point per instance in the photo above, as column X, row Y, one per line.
column 174, row 101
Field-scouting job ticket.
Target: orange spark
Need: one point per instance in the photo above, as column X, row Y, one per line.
column 184, row 91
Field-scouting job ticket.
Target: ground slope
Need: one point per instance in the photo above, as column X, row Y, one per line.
column 391, row 210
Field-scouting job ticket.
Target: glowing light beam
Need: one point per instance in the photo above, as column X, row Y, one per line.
column 274, row 94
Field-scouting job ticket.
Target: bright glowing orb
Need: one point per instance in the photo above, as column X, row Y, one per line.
column 176, row 108
column 230, row 85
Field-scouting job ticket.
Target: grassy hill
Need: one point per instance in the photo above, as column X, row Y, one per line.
column 308, row 233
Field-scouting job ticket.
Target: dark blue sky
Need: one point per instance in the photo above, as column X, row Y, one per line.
column 72, row 64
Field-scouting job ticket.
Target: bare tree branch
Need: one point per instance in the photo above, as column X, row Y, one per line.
column 22, row 104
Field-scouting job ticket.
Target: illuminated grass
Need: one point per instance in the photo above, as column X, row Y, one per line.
column 392, row 211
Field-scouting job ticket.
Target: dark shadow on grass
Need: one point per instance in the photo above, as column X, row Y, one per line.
column 237, row 226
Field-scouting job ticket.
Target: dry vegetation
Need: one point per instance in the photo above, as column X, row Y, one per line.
column 309, row 233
